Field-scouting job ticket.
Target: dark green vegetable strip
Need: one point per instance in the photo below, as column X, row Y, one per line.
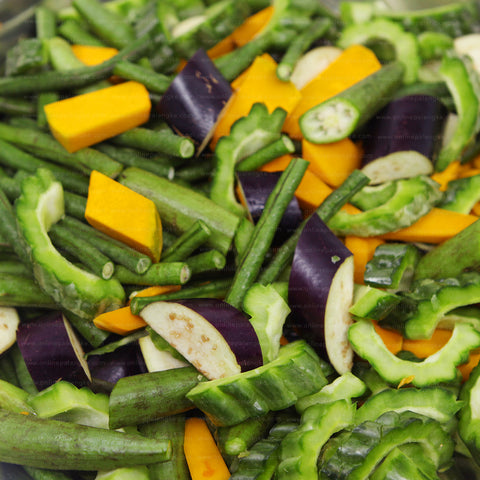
column 16, row 106
column 35, row 442
column 51, row 80
column 105, row 23
column 299, row 45
column 150, row 396
column 452, row 257
column 212, row 289
column 11, row 156
column 131, row 157
column 339, row 116
column 45, row 146
column 252, row 258
column 43, row 474
column 73, row 31
column 87, row 329
column 87, row 253
column 168, row 428
column 339, row 197
column 17, row 290
column 238, row 439
column 180, row 207
column 459, row 77
column 7, row 370
column 24, row 378
column 43, row 99
column 14, row 266
column 187, row 243
column 75, row 205
column 206, row 261
column 161, row 141
column 164, row 273
column 45, row 22
column 119, row 252
column 279, row 147
column 153, row 81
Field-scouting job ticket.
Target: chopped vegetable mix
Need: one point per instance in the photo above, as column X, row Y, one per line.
column 240, row 240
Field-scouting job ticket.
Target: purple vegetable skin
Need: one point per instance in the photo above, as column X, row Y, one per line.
column 321, row 292
column 52, row 351
column 194, row 100
column 413, row 122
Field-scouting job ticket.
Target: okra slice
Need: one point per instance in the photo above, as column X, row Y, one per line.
column 339, row 116
column 437, row 368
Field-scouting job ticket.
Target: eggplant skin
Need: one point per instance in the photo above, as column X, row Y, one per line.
column 318, row 257
column 194, row 100
column 411, row 122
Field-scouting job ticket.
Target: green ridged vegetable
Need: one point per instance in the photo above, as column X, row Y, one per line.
column 39, row 206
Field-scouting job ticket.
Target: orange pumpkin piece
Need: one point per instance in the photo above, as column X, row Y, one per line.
column 450, row 173
column 252, row 26
column 332, row 162
column 427, row 347
column 392, row 339
column 203, row 457
column 92, row 54
column 352, row 65
column 124, row 214
column 435, row 227
column 363, row 249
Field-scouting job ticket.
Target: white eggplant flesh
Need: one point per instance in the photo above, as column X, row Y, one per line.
column 9, row 322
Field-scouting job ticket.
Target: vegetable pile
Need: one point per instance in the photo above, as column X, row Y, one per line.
column 240, row 240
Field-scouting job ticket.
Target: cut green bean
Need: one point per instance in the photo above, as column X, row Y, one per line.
column 87, row 329
column 212, row 289
column 164, row 273
column 206, row 261
column 254, row 255
column 131, row 157
column 13, row 157
column 15, row 267
column 45, row 22
column 43, row 99
column 75, row 205
column 299, row 45
column 50, row 80
column 108, row 25
column 74, row 32
column 201, row 169
column 161, row 141
column 153, row 81
column 282, row 146
column 45, row 146
column 196, row 236
column 339, row 197
column 7, row 369
column 44, row 474
column 17, row 106
column 25, row 380
column 87, row 253
column 117, row 251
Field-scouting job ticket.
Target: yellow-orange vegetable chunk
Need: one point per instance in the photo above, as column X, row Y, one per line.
column 352, row 65
column 332, row 162
column 124, row 214
column 92, row 54
column 363, row 249
column 252, row 26
column 204, row 459
column 259, row 84
column 84, row 120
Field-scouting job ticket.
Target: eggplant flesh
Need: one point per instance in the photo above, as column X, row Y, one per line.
column 409, row 123
column 321, row 293
column 255, row 189
column 195, row 99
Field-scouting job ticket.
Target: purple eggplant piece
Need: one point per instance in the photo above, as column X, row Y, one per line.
column 321, row 292
column 194, row 100
column 110, row 367
column 412, row 122
column 256, row 187
column 52, row 351
column 213, row 336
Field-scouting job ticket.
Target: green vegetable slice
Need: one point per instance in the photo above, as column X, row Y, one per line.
column 439, row 367
column 39, row 206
